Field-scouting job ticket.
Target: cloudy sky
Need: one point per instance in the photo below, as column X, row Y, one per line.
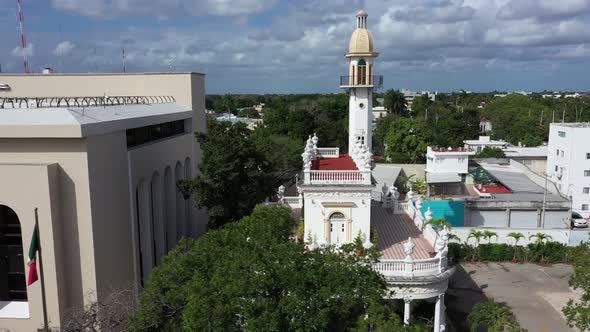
column 288, row 46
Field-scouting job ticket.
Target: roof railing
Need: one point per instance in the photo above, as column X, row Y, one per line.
column 86, row 101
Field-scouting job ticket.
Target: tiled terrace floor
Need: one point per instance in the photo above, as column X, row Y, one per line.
column 394, row 230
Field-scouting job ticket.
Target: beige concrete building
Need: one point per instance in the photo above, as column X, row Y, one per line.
column 101, row 171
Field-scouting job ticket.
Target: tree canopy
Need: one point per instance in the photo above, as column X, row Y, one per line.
column 234, row 174
column 578, row 313
column 490, row 152
column 249, row 275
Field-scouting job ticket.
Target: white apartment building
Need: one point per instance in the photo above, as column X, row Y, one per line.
column 568, row 163
column 483, row 142
column 447, row 165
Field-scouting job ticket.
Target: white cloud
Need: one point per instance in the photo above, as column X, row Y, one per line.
column 29, row 50
column 63, row 48
column 163, row 8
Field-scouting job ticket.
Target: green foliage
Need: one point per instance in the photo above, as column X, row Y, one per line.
column 234, row 175
column 489, row 152
column 475, row 234
column 516, row 236
column 437, row 224
column 298, row 116
column 407, row 140
column 248, row 274
column 489, row 235
column 538, row 252
column 418, row 185
column 577, row 314
column 492, row 317
column 301, row 230
column 394, row 102
column 517, row 119
column 540, row 237
column 249, row 112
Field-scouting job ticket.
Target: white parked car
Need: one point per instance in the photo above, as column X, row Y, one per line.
column 578, row 220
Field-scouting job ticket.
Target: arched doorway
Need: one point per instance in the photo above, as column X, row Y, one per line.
column 13, row 285
column 337, row 226
column 362, row 72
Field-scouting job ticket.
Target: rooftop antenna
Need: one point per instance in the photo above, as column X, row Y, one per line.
column 61, row 39
column 123, row 55
column 95, row 62
column 23, row 39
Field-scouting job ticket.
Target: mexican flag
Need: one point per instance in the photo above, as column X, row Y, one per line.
column 33, row 249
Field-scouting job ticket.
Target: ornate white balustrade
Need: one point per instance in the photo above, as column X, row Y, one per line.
column 295, row 202
column 328, row 152
column 410, row 268
column 336, row 177
column 416, row 216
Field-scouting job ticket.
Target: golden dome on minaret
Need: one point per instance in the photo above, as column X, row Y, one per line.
column 361, row 41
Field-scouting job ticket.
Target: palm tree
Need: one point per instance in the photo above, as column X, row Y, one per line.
column 489, row 234
column 541, row 237
column 477, row 235
column 394, row 102
column 453, row 237
column 516, row 236
column 437, row 224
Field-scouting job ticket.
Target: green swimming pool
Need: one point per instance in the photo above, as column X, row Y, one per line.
column 452, row 211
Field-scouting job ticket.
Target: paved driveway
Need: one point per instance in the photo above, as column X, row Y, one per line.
column 535, row 293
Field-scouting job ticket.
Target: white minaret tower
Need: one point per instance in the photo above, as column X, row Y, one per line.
column 360, row 82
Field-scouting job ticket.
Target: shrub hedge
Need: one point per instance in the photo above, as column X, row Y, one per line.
column 546, row 252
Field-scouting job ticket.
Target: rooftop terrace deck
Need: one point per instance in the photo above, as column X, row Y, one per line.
column 394, row 230
column 343, row 163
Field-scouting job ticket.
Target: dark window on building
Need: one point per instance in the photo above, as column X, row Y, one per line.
column 12, row 263
column 142, row 135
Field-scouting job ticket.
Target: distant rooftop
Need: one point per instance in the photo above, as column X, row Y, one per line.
column 78, row 121
column 449, row 149
column 523, row 152
column 523, row 188
column 572, row 125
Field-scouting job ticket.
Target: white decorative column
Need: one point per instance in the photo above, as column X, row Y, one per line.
column 407, row 309
column 439, row 314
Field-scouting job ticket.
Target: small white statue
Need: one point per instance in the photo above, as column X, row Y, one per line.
column 409, row 247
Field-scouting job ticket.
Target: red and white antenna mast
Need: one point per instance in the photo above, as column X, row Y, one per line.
column 23, row 39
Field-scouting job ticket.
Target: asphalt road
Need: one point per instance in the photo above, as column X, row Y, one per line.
column 535, row 293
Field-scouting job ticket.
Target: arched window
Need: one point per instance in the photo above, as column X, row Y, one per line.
column 180, row 203
column 189, row 202
column 362, row 72
column 337, row 216
column 12, row 264
column 170, row 204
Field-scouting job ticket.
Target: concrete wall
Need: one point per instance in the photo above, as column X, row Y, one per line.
column 110, row 205
column 24, row 188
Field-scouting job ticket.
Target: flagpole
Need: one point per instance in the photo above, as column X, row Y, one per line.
column 42, row 276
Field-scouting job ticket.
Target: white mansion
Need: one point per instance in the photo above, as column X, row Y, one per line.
column 341, row 201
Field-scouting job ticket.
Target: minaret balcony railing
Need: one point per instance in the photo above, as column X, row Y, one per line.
column 369, row 81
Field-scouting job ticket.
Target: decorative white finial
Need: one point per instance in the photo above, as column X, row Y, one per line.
column 428, row 214
column 314, row 140
column 409, row 247
column 410, row 194
column 281, row 191
column 395, row 193
column 419, row 203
